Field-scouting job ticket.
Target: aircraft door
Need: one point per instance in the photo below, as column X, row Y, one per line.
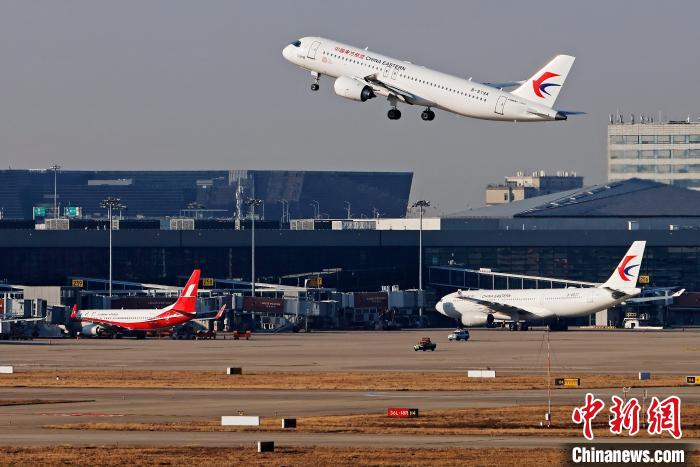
column 312, row 49
column 394, row 73
column 500, row 104
column 386, row 71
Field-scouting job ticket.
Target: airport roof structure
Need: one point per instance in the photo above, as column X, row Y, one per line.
column 626, row 198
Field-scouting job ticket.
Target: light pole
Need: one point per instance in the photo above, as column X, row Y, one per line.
column 111, row 203
column 55, row 168
column 347, row 208
column 421, row 205
column 285, row 211
column 252, row 202
column 317, row 208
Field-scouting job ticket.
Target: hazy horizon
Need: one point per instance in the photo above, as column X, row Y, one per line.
column 182, row 85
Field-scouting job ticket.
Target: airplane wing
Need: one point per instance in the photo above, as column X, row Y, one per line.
column 401, row 94
column 510, row 310
column 5, row 319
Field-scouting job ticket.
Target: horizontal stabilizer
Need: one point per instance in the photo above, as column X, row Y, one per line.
column 571, row 112
column 504, row 84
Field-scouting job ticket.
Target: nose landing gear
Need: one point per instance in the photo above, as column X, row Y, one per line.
column 314, row 85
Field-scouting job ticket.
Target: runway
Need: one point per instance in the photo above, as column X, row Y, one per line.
column 665, row 352
column 23, row 425
column 673, row 351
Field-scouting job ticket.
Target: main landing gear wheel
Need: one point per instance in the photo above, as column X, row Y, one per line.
column 394, row 114
column 427, row 115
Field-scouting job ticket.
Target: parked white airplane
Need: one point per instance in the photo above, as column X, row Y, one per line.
column 518, row 306
column 362, row 75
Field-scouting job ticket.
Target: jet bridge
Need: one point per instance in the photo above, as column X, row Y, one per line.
column 451, row 277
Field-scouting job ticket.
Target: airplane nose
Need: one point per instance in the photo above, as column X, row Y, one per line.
column 286, row 53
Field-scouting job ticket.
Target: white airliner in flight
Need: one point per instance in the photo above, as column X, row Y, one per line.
column 97, row 322
column 361, row 75
column 518, row 306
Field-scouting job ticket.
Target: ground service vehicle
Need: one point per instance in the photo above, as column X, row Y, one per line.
column 425, row 344
column 459, row 335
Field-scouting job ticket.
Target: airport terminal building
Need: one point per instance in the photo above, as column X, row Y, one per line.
column 577, row 235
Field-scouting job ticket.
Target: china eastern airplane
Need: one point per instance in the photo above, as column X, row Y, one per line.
column 361, row 75
column 518, row 306
column 139, row 321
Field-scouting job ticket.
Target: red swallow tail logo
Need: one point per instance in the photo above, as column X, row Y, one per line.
column 539, row 85
column 625, row 271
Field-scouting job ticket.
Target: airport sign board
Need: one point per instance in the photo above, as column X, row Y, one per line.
column 72, row 211
column 399, row 412
column 692, row 380
column 568, row 382
column 39, row 211
column 207, row 282
column 269, row 304
column 644, row 279
column 79, row 283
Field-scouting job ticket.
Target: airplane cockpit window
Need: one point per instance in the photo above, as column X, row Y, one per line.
column 296, row 43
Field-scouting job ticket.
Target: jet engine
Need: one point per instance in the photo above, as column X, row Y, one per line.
column 91, row 330
column 474, row 318
column 354, row 89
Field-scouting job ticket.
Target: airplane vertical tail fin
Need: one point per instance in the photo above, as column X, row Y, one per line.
column 627, row 271
column 187, row 301
column 543, row 87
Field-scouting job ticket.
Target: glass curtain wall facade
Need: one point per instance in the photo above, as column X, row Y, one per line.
column 663, row 152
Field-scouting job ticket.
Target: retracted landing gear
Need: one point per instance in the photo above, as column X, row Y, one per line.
column 314, row 85
column 427, row 115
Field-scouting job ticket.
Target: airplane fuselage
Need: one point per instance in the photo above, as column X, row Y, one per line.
column 418, row 85
column 134, row 320
column 541, row 303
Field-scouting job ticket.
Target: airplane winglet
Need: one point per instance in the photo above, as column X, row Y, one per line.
column 221, row 312
column 74, row 313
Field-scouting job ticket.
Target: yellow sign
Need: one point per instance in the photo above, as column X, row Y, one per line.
column 316, row 281
column 568, row 382
column 644, row 279
column 77, row 283
column 572, row 382
column 207, row 282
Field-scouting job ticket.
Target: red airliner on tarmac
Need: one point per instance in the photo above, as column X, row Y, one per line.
column 183, row 310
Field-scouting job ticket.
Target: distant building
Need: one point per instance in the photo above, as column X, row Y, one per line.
column 521, row 186
column 664, row 152
column 206, row 193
